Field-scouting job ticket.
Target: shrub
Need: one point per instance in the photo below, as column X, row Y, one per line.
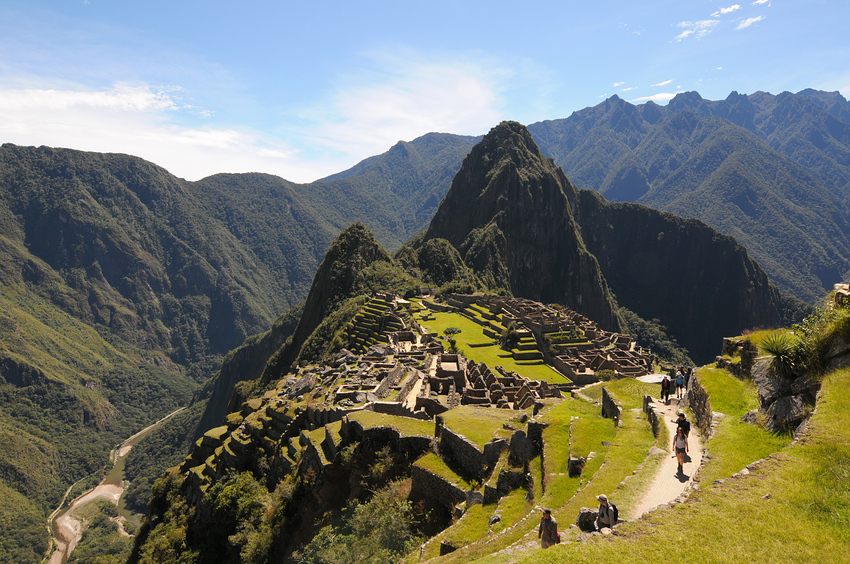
column 784, row 352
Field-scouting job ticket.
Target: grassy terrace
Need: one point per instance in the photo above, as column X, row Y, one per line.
column 406, row 426
column 474, row 524
column 632, row 441
column 587, row 435
column 734, row 444
column 473, row 333
column 437, row 466
column 480, row 424
column 806, row 517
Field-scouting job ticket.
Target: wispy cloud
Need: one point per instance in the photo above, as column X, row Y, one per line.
column 665, row 83
column 402, row 97
column 628, row 89
column 757, row 2
column 749, row 21
column 138, row 120
column 616, row 84
column 698, row 28
column 724, row 11
column 120, row 97
column 660, row 97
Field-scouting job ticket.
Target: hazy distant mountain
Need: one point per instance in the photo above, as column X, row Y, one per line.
column 772, row 171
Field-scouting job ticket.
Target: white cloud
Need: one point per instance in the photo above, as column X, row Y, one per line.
column 719, row 68
column 698, row 28
column 125, row 119
column 724, row 11
column 616, row 84
column 749, row 21
column 121, row 98
column 660, row 97
column 665, row 83
column 757, row 2
column 628, row 89
column 402, row 98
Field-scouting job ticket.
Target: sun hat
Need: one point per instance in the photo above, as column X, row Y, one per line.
column 602, row 497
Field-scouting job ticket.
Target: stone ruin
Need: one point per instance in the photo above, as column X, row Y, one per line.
column 580, row 347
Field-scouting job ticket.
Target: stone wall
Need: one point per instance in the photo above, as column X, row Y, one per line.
column 700, row 405
column 425, row 484
column 610, row 408
column 651, row 415
column 458, row 450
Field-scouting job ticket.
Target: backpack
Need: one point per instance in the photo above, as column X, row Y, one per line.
column 616, row 512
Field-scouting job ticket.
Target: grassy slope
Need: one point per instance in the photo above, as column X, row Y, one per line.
column 806, row 517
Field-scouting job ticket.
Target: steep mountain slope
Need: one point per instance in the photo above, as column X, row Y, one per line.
column 547, row 241
column 769, row 170
column 507, row 214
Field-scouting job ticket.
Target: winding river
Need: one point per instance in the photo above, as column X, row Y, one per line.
column 67, row 524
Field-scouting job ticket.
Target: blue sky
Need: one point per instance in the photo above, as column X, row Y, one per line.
column 303, row 90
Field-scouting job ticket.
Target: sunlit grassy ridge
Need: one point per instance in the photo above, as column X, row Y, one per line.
column 797, row 504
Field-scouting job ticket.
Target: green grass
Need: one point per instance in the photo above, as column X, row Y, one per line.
column 588, row 432
column 479, row 424
column 734, row 444
column 631, row 443
column 407, row 426
column 472, row 332
column 805, row 519
column 437, row 466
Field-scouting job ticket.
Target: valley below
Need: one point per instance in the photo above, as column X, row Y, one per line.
column 68, row 523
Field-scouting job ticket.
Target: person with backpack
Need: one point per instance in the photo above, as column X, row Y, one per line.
column 548, row 530
column 608, row 513
column 680, row 444
column 682, row 423
column 665, row 389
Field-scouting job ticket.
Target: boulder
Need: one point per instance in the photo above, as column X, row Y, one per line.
column 750, row 417
column 586, row 519
column 520, row 448
column 785, row 413
column 771, row 386
column 576, row 465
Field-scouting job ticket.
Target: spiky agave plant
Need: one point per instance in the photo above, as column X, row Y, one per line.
column 784, row 352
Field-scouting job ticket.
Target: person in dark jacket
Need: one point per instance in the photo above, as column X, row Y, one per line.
column 548, row 530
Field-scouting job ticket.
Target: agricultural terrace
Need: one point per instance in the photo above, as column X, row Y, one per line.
column 475, row 345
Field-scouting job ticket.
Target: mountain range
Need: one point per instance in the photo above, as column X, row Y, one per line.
column 124, row 287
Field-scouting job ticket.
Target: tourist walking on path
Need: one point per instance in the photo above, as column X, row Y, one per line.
column 665, row 389
column 680, row 444
column 548, row 530
column 680, row 383
column 607, row 513
column 682, row 423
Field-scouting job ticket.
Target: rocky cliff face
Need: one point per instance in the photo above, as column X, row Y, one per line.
column 699, row 283
column 507, row 213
